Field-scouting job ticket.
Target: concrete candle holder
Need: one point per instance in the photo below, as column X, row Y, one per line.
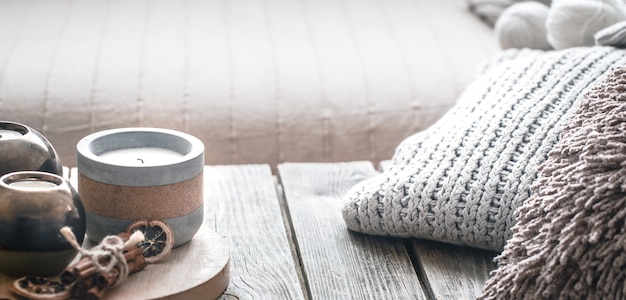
column 131, row 174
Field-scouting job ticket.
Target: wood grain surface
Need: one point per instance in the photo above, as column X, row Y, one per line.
column 452, row 272
column 337, row 263
column 242, row 205
column 286, row 239
column 196, row 270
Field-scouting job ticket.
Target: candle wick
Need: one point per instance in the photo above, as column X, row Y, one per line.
column 141, row 160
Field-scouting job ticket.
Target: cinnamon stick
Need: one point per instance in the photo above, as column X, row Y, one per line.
column 137, row 264
column 90, row 283
column 85, row 266
column 81, row 286
column 107, row 279
column 81, row 269
column 132, row 253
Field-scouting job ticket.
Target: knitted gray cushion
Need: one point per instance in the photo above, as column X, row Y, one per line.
column 461, row 180
column 570, row 237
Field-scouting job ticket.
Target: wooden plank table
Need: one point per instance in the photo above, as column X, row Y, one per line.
column 338, row 263
column 287, row 240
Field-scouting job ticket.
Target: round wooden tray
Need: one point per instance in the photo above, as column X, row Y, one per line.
column 197, row 270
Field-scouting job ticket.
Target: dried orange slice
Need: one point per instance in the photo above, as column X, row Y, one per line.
column 159, row 239
column 36, row 287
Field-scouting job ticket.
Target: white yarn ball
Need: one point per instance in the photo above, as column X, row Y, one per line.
column 523, row 25
column 573, row 23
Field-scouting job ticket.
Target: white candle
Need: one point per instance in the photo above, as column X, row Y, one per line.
column 32, row 184
column 9, row 134
column 146, row 156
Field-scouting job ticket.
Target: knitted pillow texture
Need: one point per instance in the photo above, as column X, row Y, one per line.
column 570, row 239
column 461, row 180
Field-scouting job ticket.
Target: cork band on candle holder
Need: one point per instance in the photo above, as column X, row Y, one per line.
column 141, row 202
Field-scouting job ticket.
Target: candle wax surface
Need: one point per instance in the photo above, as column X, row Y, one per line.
column 32, row 184
column 9, row 134
column 146, row 156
